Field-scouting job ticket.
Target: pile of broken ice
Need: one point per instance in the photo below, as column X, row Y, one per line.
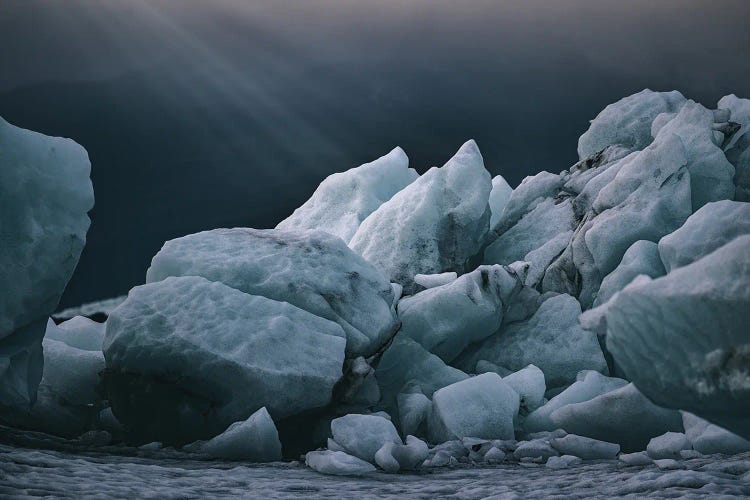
column 399, row 321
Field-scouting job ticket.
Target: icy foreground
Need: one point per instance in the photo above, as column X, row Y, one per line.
column 109, row 472
column 591, row 320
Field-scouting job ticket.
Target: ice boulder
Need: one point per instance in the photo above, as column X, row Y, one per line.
column 413, row 409
column 540, row 258
column 406, row 362
column 623, row 416
column 709, row 228
column 363, row 435
column 635, row 458
column 499, row 198
column 643, row 196
column 337, row 463
column 641, row 258
column 711, row 174
column 312, row 270
column 668, row 445
column 551, row 339
column 187, row 357
column 628, row 121
column 45, row 194
column 585, row 448
column 529, row 385
column 648, row 198
column 392, row 457
column 446, row 319
column 434, row 280
column 483, row 407
column 68, row 398
column 532, row 191
column 435, row 224
column 683, row 339
column 537, row 449
column 545, row 222
column 737, row 148
column 343, row 200
column 709, row 439
column 739, row 113
column 79, row 332
column 588, row 385
column 739, row 156
column 254, row 440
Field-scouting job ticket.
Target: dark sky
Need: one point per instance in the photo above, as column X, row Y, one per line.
column 215, row 113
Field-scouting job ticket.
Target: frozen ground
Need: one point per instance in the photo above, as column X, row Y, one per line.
column 33, row 465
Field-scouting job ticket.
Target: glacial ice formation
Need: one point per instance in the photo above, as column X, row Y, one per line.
column 343, row 200
column 551, row 339
column 668, row 445
column 337, row 463
column 710, row 227
column 628, row 122
column 499, row 198
column 45, row 194
column 200, row 355
column 79, row 332
column 588, row 385
column 623, row 416
column 708, row 439
column 446, row 319
column 482, row 407
column 363, row 435
column 585, row 448
column 435, row 224
column 392, row 456
column 309, row 269
column 706, row 303
column 254, row 440
column 432, row 320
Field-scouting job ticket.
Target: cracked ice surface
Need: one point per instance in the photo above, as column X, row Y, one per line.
column 62, row 469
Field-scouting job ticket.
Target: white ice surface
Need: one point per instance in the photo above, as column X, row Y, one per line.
column 641, row 258
column 337, row 463
column 407, row 361
column 711, row 174
column 585, row 448
column 628, row 121
column 499, row 198
column 668, row 445
column 45, row 193
column 209, row 343
column 483, row 407
column 623, row 416
column 683, row 338
column 434, row 280
column 551, row 339
column 344, row 199
column 709, row 228
column 363, row 435
column 433, row 225
column 312, row 270
column 253, row 440
column 529, row 385
column 446, row 319
column 79, row 332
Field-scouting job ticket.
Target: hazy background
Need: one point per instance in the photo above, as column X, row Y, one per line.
column 216, row 113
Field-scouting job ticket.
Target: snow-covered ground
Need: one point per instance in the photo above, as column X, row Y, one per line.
column 33, row 465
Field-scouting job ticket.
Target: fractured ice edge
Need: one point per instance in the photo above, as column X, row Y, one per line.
column 399, row 322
